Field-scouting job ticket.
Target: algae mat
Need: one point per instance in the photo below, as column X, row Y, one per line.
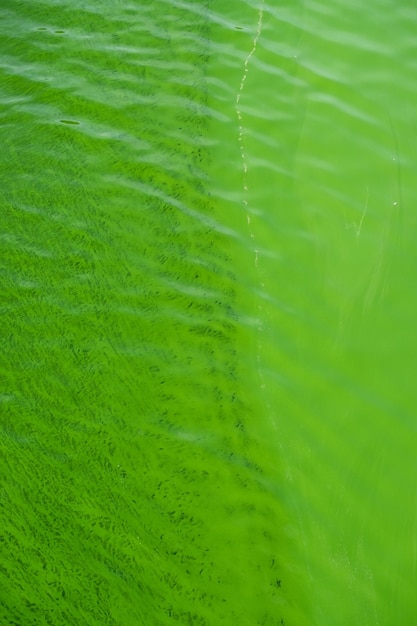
column 134, row 491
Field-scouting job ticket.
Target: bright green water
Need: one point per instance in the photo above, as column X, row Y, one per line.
column 208, row 349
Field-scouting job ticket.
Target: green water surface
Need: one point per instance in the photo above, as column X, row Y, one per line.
column 207, row 293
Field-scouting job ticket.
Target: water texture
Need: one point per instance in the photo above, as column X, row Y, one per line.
column 207, row 296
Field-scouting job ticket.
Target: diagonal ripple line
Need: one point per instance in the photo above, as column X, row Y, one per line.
column 245, row 180
column 240, row 116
